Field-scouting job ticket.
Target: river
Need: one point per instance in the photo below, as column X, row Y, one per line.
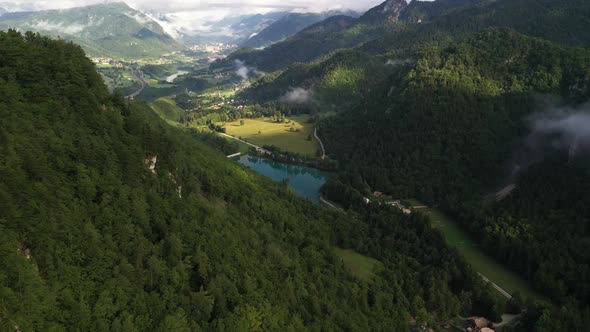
column 171, row 78
column 305, row 181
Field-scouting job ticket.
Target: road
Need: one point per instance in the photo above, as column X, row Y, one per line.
column 315, row 134
column 327, row 203
column 505, row 192
column 259, row 149
column 137, row 73
column 498, row 288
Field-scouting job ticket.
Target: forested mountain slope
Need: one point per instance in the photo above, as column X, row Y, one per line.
column 110, row 220
column 333, row 83
column 306, row 45
column 444, row 129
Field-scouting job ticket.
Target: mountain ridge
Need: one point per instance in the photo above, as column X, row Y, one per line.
column 112, row 29
column 290, row 25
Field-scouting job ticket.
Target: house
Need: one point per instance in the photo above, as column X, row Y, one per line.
column 477, row 324
column 378, row 194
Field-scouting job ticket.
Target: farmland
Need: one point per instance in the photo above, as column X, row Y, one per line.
column 291, row 135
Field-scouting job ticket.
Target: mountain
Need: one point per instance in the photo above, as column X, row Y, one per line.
column 458, row 115
column 112, row 29
column 3, row 11
column 320, row 39
column 420, row 23
column 112, row 220
column 389, row 11
column 289, row 25
column 311, row 43
column 423, row 24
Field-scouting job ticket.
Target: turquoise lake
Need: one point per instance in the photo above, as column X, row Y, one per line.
column 305, row 181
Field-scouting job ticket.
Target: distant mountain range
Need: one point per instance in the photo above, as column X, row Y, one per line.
column 289, row 25
column 113, row 29
column 231, row 30
column 117, row 30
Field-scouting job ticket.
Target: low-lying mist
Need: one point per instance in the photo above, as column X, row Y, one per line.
column 297, row 96
column 555, row 129
column 245, row 72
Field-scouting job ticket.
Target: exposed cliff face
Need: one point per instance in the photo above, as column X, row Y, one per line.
column 389, row 11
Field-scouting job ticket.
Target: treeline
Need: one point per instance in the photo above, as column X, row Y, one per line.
column 229, row 112
column 111, row 220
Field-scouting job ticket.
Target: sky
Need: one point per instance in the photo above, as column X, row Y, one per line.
column 226, row 6
column 195, row 17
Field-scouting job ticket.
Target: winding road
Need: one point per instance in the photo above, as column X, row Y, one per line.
column 259, row 149
column 315, row 134
column 137, row 73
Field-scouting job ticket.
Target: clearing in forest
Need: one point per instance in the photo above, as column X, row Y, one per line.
column 295, row 134
column 360, row 266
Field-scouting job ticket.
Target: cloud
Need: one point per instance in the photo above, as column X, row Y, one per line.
column 555, row 129
column 139, row 18
column 245, row 72
column 562, row 129
column 196, row 18
column 70, row 29
column 297, row 96
column 168, row 6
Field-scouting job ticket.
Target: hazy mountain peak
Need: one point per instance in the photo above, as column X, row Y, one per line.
column 390, row 10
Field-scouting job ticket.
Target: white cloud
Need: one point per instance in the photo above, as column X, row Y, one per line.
column 70, row 29
column 245, row 72
column 194, row 17
column 171, row 6
column 297, row 96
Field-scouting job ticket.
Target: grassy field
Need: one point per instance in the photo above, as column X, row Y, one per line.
column 265, row 132
column 481, row 262
column 167, row 109
column 360, row 266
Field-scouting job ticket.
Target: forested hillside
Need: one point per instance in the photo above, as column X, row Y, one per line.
column 333, row 83
column 445, row 129
column 110, row 220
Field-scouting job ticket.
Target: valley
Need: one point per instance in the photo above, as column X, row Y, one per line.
column 228, row 167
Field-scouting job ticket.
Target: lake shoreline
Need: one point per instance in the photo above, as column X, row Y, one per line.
column 306, row 182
